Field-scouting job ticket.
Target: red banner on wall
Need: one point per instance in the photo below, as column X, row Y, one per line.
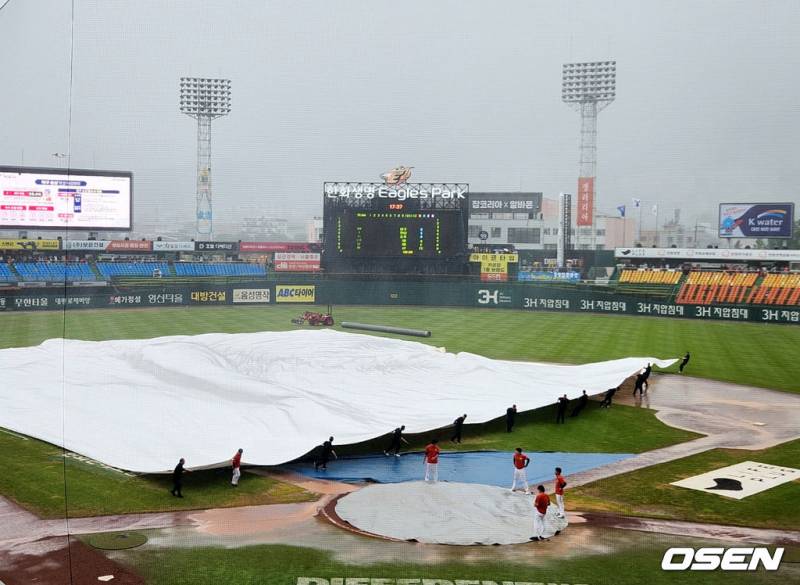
column 130, row 246
column 274, row 247
column 585, row 201
column 296, row 262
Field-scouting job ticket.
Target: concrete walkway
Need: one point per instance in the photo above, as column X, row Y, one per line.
column 731, row 416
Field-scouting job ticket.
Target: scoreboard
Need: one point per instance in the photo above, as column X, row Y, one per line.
column 430, row 233
column 373, row 222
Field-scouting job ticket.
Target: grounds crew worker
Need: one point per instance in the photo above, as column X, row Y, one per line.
column 457, row 426
column 397, row 438
column 236, row 463
column 511, row 415
column 177, row 478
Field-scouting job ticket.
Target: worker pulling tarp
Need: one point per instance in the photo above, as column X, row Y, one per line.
column 140, row 405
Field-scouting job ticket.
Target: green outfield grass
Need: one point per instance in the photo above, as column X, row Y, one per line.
column 621, row 429
column 34, row 476
column 33, row 471
column 282, row 565
column 747, row 353
column 647, row 492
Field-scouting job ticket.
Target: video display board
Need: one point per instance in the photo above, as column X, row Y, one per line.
column 756, row 220
column 415, row 220
column 40, row 198
column 398, row 232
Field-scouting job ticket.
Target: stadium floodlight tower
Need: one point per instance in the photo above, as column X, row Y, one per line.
column 205, row 99
column 588, row 88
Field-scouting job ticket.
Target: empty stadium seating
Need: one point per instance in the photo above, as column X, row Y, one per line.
column 54, row 271
column 777, row 289
column 5, row 273
column 116, row 269
column 647, row 276
column 218, row 269
column 706, row 288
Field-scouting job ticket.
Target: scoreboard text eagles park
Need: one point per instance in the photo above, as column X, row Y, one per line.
column 412, row 220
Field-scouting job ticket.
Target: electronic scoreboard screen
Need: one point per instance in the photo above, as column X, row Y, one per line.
column 42, row 198
column 433, row 233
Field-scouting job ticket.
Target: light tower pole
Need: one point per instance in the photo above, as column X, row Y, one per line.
column 588, row 88
column 204, row 99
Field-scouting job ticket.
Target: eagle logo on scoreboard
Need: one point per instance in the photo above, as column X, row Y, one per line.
column 397, row 176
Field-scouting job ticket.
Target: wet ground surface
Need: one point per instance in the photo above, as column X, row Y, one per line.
column 732, row 416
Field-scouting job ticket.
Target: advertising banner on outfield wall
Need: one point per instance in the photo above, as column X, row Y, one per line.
column 145, row 298
column 531, row 297
column 481, row 203
column 208, row 296
column 296, row 262
column 494, row 267
column 266, row 246
column 708, row 254
column 216, row 246
column 130, row 246
column 526, row 276
column 292, row 293
column 86, row 245
column 756, row 220
column 30, row 244
column 173, row 246
column 250, row 295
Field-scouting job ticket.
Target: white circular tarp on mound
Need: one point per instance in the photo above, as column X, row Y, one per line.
column 445, row 513
column 141, row 404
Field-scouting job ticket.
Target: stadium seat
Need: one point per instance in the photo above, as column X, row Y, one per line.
column 54, row 271
column 117, row 269
column 650, row 276
column 5, row 273
column 219, row 269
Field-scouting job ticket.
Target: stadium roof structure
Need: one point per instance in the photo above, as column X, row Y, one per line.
column 140, row 405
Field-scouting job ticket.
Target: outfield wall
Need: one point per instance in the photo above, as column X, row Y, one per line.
column 522, row 296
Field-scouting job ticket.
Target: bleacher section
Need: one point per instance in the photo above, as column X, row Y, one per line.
column 114, row 269
column 668, row 277
column 777, row 289
column 54, row 271
column 707, row 288
column 5, row 273
column 218, row 269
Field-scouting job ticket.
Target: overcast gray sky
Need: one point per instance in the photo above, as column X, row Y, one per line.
column 706, row 111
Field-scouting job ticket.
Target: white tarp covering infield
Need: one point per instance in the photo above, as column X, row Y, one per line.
column 140, row 405
column 445, row 513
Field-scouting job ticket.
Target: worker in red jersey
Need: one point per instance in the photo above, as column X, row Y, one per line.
column 236, row 463
column 560, row 485
column 521, row 461
column 540, row 505
column 432, row 461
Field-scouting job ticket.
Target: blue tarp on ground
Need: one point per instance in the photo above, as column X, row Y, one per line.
column 484, row 467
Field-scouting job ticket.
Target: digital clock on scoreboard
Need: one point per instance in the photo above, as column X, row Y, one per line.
column 397, row 231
